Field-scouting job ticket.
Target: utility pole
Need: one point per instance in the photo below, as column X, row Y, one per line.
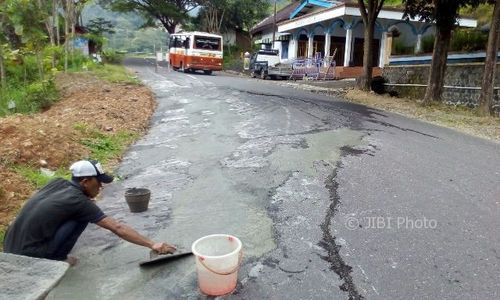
column 274, row 26
column 156, row 58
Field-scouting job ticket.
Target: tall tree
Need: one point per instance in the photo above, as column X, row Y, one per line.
column 444, row 13
column 487, row 90
column 169, row 13
column 3, row 41
column 29, row 23
column 245, row 14
column 213, row 14
column 97, row 28
column 369, row 12
column 240, row 15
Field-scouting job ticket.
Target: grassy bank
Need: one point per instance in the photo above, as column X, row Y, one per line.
column 85, row 123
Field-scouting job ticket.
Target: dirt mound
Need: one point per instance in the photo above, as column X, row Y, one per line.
column 51, row 139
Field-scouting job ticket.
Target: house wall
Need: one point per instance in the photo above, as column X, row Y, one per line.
column 243, row 41
column 461, row 75
column 408, row 36
column 229, row 38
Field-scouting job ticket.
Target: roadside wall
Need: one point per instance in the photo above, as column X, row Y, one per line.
column 457, row 75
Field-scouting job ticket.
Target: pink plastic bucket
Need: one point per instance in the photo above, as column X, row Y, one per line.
column 218, row 258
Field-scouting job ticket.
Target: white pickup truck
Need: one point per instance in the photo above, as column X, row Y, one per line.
column 266, row 63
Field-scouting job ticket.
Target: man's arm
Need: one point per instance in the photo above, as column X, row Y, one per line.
column 129, row 234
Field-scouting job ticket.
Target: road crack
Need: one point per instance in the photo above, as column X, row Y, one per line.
column 329, row 241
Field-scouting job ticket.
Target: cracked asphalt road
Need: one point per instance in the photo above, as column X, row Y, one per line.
column 331, row 200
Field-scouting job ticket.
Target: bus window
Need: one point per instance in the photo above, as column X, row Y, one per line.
column 178, row 43
column 186, row 43
column 208, row 43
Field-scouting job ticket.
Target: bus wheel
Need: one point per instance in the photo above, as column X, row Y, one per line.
column 207, row 72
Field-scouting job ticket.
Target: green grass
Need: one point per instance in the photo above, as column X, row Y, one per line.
column 37, row 178
column 2, row 236
column 393, row 3
column 104, row 147
column 113, row 73
column 27, row 98
column 141, row 55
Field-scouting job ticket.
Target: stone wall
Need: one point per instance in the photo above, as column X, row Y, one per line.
column 461, row 75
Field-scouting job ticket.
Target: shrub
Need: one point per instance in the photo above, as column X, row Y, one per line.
column 232, row 58
column 27, row 99
column 41, row 94
column 428, row 44
column 77, row 60
column 468, row 40
column 401, row 49
column 22, row 70
column 111, row 56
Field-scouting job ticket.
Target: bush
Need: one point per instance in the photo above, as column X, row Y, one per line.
column 377, row 84
column 401, row 49
column 23, row 69
column 41, row 94
column 428, row 44
column 28, row 99
column 111, row 56
column 468, row 40
column 232, row 58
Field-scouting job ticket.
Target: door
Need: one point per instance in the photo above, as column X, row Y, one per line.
column 284, row 49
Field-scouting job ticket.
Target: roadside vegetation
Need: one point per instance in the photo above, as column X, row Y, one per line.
column 48, row 93
column 40, row 145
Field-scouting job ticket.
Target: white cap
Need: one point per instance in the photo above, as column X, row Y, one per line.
column 90, row 168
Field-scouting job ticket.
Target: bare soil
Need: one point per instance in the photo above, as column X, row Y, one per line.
column 459, row 118
column 50, row 139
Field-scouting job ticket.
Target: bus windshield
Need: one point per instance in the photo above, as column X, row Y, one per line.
column 207, row 43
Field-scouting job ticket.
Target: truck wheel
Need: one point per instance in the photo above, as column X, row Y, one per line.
column 263, row 75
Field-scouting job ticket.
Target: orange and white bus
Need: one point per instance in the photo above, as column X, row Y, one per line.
column 191, row 51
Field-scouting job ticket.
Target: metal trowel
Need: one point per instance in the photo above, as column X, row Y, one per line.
column 155, row 258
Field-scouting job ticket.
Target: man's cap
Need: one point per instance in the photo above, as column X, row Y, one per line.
column 90, row 168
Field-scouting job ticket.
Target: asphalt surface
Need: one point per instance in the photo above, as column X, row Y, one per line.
column 331, row 200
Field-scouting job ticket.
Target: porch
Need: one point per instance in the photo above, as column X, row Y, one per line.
column 336, row 29
column 333, row 73
column 354, row 72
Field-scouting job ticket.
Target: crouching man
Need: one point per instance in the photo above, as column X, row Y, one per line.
column 53, row 219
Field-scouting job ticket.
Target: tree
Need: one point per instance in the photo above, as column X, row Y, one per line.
column 169, row 13
column 3, row 41
column 369, row 13
column 97, row 28
column 444, row 14
column 239, row 15
column 487, row 91
column 213, row 14
column 29, row 24
column 245, row 14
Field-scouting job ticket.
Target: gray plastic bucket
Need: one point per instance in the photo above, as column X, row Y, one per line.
column 137, row 199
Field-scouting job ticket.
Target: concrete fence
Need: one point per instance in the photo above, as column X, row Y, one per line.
column 462, row 82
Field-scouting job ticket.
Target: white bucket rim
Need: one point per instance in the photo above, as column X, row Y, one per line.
column 238, row 248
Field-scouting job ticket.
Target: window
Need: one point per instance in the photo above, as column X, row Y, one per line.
column 207, row 43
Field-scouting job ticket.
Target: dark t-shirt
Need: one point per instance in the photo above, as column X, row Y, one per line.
column 43, row 214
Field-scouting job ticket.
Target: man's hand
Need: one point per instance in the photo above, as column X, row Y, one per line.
column 163, row 248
